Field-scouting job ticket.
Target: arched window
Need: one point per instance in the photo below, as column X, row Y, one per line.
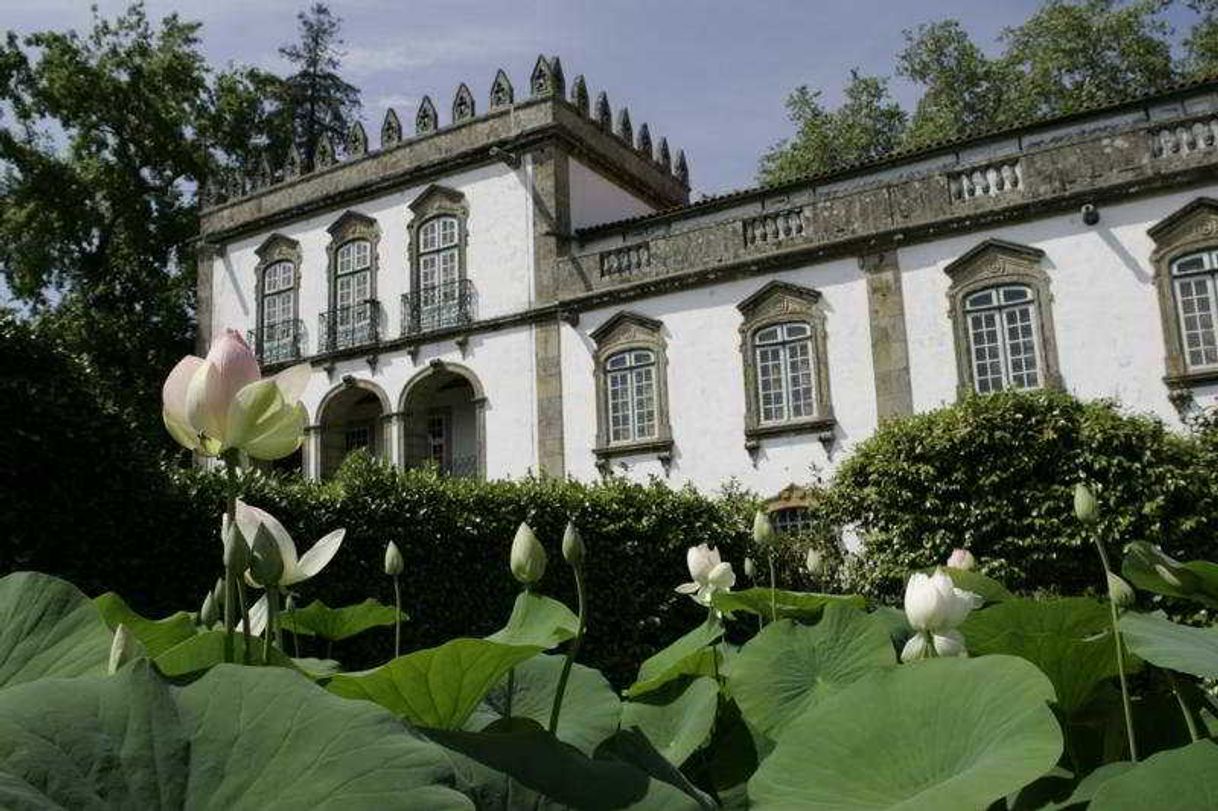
column 1002, row 334
column 630, row 382
column 1193, row 283
column 353, row 293
column 278, row 329
column 439, row 273
column 786, row 387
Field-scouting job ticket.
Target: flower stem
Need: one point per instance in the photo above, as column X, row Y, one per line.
column 773, row 592
column 272, row 617
column 1120, row 655
column 1184, row 710
column 397, row 618
column 231, row 462
column 511, row 688
column 572, row 650
column 245, row 621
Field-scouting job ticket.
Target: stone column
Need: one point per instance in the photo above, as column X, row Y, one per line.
column 391, row 438
column 310, row 452
column 889, row 345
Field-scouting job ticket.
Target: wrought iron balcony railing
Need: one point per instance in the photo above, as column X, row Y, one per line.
column 350, row 326
column 277, row 343
column 438, row 307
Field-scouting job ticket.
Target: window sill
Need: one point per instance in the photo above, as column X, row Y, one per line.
column 1189, row 379
column 823, row 426
column 659, row 447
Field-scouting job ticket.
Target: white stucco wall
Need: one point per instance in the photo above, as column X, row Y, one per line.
column 1105, row 308
column 595, row 199
column 498, row 254
column 706, row 389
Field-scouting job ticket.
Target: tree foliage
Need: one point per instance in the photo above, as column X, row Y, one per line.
column 1068, row 56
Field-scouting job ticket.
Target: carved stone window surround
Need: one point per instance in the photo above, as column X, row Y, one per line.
column 624, row 331
column 993, row 263
column 781, row 303
column 1190, row 229
column 274, row 249
column 437, row 201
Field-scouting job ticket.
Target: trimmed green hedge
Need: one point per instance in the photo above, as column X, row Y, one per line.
column 995, row 474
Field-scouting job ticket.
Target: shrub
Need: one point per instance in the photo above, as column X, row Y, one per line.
column 995, row 475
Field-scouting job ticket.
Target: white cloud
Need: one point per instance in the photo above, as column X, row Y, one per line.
column 422, row 50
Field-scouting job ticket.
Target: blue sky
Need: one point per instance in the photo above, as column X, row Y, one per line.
column 712, row 76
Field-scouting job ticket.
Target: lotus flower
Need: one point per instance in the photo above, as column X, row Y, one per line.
column 394, row 564
column 934, row 607
column 962, row 559
column 295, row 570
column 220, row 402
column 709, row 573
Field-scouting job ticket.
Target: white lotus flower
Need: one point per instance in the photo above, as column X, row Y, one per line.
column 962, row 559
column 709, row 573
column 934, row 607
column 219, row 402
column 295, row 569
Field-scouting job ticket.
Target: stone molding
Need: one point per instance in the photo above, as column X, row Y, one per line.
column 436, row 201
column 277, row 248
column 988, row 264
column 350, row 226
column 889, row 342
column 624, row 331
column 1189, row 229
column 780, row 303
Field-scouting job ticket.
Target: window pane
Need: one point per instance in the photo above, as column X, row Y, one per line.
column 429, row 236
column 279, row 276
column 768, row 335
column 791, row 519
column 986, row 351
column 1011, row 295
column 448, row 232
column 771, row 394
column 797, row 331
column 1191, row 264
column 619, row 406
column 799, row 376
column 1196, row 301
column 1021, row 348
column 982, row 299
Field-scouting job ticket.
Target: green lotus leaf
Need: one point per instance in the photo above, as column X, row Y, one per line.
column 48, row 628
column 1184, row 779
column 157, row 636
column 1169, row 645
column 334, row 624
column 590, row 709
column 560, row 772
column 204, row 651
column 1069, row 639
column 948, row 734
column 984, row 587
column 239, row 737
column 688, row 656
column 1089, row 785
column 796, row 605
column 537, row 620
column 678, row 718
column 1149, row 568
column 787, row 667
column 437, row 687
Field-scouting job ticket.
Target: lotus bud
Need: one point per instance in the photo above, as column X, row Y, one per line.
column 814, row 562
column 573, row 549
column 1119, row 591
column 763, row 530
column 123, row 649
column 289, row 605
column 962, row 559
column 528, row 558
column 750, row 569
column 209, row 614
column 217, row 595
column 393, row 560
column 236, row 549
column 266, row 563
column 1084, row 504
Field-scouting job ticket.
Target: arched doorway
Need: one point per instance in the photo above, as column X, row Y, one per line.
column 351, row 419
column 443, row 422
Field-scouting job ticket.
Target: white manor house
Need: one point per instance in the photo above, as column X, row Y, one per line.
column 527, row 287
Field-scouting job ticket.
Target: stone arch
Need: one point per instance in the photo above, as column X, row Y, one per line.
column 354, row 414
column 442, row 412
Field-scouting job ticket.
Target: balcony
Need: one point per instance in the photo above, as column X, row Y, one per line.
column 438, row 307
column 277, row 343
column 349, row 327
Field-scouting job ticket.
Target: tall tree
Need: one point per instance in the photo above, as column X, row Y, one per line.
column 318, row 101
column 867, row 125
column 105, row 138
column 1201, row 44
column 1072, row 55
column 963, row 88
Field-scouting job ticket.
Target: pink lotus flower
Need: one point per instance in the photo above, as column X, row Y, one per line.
column 220, row 402
column 961, row 559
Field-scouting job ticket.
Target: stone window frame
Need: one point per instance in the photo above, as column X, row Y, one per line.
column 780, row 302
column 353, row 225
column 1189, row 229
column 434, row 202
column 624, row 331
column 995, row 263
column 274, row 249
